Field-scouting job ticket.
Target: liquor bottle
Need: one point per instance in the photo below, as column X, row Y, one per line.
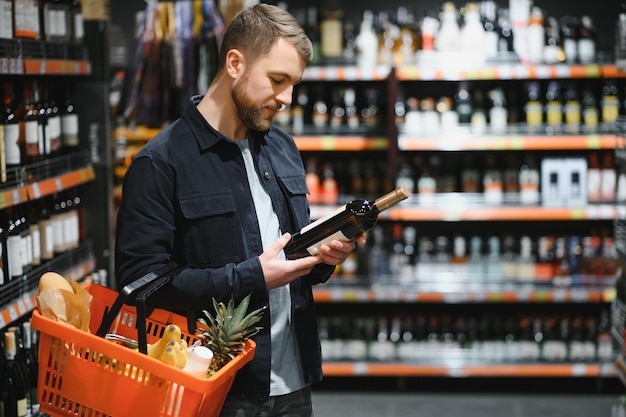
column 590, row 263
column 494, row 260
column 608, row 178
column 535, row 36
column 574, row 243
column 545, row 258
column 554, row 108
column 609, row 104
column 53, row 126
column 6, row 19
column 498, row 113
column 569, row 37
column 337, row 110
column 463, row 103
column 533, row 107
column 46, row 230
column 329, row 189
column 367, row 57
column 488, row 12
column 331, row 31
column 26, row 19
column 587, row 41
column 69, row 126
column 476, row 262
column 448, row 37
column 35, row 234
column 493, row 186
column 572, row 110
column 473, row 36
column 57, row 21
column 505, row 39
column 26, row 241
column 590, row 116
column 408, row 42
column 562, row 270
column 553, row 48
column 370, row 114
column 4, row 273
column 378, row 256
column 424, row 266
column 15, row 402
column 351, row 111
column 594, row 178
column 30, row 121
column 313, row 31
column 459, row 257
column 346, row 223
column 30, row 358
column 11, row 135
column 448, row 117
column 14, row 254
column 509, row 258
column 526, row 260
column 478, row 120
column 78, row 23
column 320, row 113
column 413, row 118
column 442, row 257
column 300, row 113
column 610, row 258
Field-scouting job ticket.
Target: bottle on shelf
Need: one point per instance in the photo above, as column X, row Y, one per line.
column 14, row 387
column 587, row 41
column 590, row 114
column 569, row 35
column 347, row 222
column 30, row 358
column 572, row 109
column 331, row 31
column 536, row 36
column 506, row 38
column 30, row 123
column 553, row 47
column 448, row 37
column 533, row 107
column 554, row 108
column 78, row 22
column 463, row 103
column 609, row 104
column 11, row 136
column 367, row 56
column 488, row 12
column 473, row 36
column 498, row 113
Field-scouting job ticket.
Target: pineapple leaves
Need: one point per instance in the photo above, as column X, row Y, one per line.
column 226, row 331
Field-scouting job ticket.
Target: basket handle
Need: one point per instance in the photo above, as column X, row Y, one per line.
column 141, row 289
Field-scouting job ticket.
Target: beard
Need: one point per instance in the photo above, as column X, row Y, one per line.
column 250, row 114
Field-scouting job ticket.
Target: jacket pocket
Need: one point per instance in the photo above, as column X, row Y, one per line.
column 295, row 186
column 211, row 233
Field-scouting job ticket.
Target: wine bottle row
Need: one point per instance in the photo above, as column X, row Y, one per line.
column 52, row 21
column 399, row 253
column 38, row 122
column 476, row 33
column 516, row 178
column 467, row 338
column 532, row 107
column 35, row 232
column 18, row 379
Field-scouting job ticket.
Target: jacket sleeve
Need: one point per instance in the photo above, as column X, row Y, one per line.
column 146, row 237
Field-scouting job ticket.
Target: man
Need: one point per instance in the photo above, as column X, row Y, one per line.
column 217, row 192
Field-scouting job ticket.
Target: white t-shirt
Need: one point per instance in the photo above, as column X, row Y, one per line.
column 286, row 370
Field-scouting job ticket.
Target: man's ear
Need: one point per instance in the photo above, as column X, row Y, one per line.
column 235, row 62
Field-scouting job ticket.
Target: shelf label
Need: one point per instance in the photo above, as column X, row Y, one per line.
column 36, row 190
column 12, row 313
column 21, row 307
column 12, row 67
column 42, row 66
column 4, row 66
column 19, row 66
column 58, row 183
column 2, row 322
column 579, row 369
column 594, row 142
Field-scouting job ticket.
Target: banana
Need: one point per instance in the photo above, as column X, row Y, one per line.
column 183, row 354
column 169, row 356
column 172, row 332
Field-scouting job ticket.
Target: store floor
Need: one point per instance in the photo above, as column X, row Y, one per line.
column 369, row 404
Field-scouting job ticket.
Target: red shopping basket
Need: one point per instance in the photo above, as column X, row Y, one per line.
column 82, row 374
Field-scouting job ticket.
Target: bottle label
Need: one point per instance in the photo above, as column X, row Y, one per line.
column 11, row 144
column 14, row 255
column 315, row 249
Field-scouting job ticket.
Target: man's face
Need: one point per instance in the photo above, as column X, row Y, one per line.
column 267, row 85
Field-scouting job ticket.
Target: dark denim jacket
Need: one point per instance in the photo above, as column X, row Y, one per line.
column 186, row 199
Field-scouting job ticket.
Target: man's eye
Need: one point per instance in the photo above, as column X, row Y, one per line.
column 276, row 81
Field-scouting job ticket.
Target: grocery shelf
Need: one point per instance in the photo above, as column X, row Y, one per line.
column 464, row 141
column 451, row 210
column 73, row 265
column 340, row 143
column 528, row 293
column 396, row 369
column 514, row 71
column 345, row 73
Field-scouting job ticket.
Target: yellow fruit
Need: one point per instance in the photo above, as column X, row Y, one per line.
column 172, row 332
column 169, row 356
column 183, row 354
column 52, row 280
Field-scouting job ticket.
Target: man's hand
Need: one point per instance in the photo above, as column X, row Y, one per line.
column 337, row 251
column 279, row 272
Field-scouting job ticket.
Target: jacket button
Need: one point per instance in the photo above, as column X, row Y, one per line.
column 267, row 176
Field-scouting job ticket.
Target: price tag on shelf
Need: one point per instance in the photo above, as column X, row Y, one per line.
column 19, row 66
column 579, row 369
column 4, row 66
column 559, row 295
column 28, row 301
column 42, row 66
column 359, row 368
column 2, row 322
column 12, row 66
column 13, row 315
column 36, row 191
column 21, row 307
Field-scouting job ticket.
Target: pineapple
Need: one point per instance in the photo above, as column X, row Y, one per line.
column 226, row 332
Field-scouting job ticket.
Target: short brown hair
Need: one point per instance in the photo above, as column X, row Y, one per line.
column 255, row 30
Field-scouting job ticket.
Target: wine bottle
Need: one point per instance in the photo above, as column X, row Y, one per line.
column 345, row 223
column 14, row 400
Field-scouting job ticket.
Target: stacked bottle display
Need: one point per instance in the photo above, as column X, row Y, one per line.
column 18, row 379
column 51, row 21
column 400, row 253
column 36, row 232
column 523, row 179
column 552, row 107
column 38, row 122
column 470, row 35
column 435, row 338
